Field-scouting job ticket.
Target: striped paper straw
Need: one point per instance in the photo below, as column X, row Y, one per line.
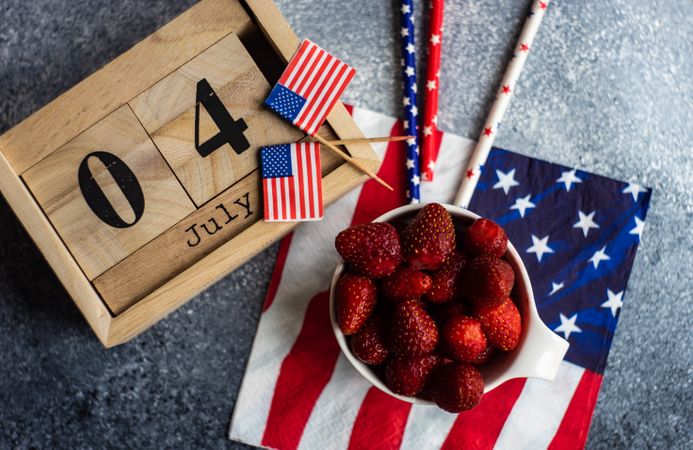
column 409, row 100
column 429, row 151
column 512, row 73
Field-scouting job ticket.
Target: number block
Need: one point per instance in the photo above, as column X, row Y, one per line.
column 108, row 192
column 208, row 120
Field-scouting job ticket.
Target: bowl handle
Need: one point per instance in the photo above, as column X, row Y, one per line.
column 546, row 351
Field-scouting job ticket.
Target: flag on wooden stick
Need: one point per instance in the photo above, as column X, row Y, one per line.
column 291, row 182
column 309, row 87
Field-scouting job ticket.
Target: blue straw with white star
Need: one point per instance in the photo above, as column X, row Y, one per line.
column 409, row 100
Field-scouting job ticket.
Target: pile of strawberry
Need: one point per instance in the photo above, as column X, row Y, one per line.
column 428, row 304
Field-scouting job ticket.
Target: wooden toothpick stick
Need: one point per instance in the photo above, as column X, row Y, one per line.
column 370, row 140
column 352, row 161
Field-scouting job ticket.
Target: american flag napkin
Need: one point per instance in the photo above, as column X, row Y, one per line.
column 292, row 182
column 577, row 233
column 309, row 87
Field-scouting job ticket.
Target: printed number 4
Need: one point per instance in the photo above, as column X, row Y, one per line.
column 230, row 130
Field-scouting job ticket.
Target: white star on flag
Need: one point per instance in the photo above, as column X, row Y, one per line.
column 634, row 189
column 404, row 32
column 506, row 181
column 410, row 163
column 614, row 302
column 639, row 227
column 414, row 88
column 410, row 48
column 555, row 287
column 599, row 256
column 523, row 204
column 432, row 165
column 415, row 179
column 405, row 9
column 409, row 71
column 431, row 84
column 567, row 326
column 540, row 246
column 414, row 110
column 568, row 178
column 435, row 119
column 435, row 39
column 406, row 101
column 586, row 222
column 411, row 141
column 427, row 131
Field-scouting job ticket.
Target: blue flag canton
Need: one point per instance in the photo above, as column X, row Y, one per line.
column 285, row 102
column 577, row 234
column 276, row 161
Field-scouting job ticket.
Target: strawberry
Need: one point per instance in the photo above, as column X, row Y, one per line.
column 405, row 283
column 355, row 300
column 456, row 387
column 485, row 237
column 407, row 375
column 502, row 324
column 412, row 331
column 369, row 344
column 443, row 311
column 372, row 249
column 463, row 338
column 445, row 280
column 486, row 281
column 484, row 356
column 429, row 239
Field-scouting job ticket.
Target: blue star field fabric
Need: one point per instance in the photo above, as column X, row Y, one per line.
column 577, row 234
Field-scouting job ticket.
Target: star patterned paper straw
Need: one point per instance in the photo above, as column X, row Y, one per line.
column 500, row 105
column 409, row 100
column 430, row 119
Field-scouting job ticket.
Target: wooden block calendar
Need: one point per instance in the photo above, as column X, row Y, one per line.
column 140, row 185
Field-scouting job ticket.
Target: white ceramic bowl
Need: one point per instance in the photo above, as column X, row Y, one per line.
column 538, row 354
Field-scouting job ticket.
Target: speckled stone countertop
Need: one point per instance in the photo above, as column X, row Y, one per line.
column 608, row 89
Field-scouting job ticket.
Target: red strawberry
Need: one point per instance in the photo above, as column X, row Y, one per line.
column 369, row 344
column 372, row 249
column 485, row 237
column 502, row 324
column 456, row 387
column 486, row 281
column 443, row 311
column 445, row 279
column 405, row 283
column 484, row 356
column 355, row 298
column 412, row 331
column 463, row 338
column 407, row 375
column 429, row 239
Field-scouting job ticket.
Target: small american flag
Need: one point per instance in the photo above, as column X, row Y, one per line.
column 309, row 87
column 291, row 182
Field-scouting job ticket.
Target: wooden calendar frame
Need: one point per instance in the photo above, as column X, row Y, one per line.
column 271, row 42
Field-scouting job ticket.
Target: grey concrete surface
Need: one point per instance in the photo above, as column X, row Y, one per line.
column 608, row 88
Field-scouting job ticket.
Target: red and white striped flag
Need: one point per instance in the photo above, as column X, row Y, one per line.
column 299, row 391
column 292, row 182
column 309, row 87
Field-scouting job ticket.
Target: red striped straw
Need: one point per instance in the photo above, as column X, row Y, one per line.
column 500, row 105
column 429, row 150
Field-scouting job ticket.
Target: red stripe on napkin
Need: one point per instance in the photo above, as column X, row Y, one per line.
column 480, row 427
column 572, row 432
column 380, row 420
column 312, row 357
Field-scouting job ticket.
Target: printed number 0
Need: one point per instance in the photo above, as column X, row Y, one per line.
column 126, row 181
column 230, row 130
